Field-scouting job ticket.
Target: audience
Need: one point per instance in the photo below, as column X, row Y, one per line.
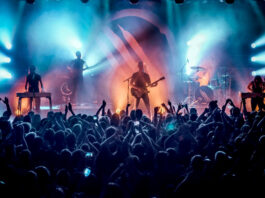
column 129, row 155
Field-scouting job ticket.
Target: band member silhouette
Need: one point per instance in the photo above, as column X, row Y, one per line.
column 77, row 83
column 139, row 82
column 257, row 86
column 33, row 80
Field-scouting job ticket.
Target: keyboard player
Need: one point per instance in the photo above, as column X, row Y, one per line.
column 32, row 85
column 257, row 86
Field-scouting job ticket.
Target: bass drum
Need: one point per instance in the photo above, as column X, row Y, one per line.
column 204, row 94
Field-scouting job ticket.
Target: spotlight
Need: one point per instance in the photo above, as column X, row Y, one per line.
column 84, row 1
column 134, row 1
column 259, row 42
column 30, row 1
column 253, row 59
column 9, row 46
column 229, row 1
column 260, row 72
column 4, row 74
column 179, row 1
column 253, row 45
column 259, row 58
column 4, row 59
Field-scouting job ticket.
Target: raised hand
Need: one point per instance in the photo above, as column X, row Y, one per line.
column 6, row 101
column 169, row 103
column 70, row 106
column 206, row 110
column 66, row 109
column 180, row 106
column 156, row 109
column 104, row 103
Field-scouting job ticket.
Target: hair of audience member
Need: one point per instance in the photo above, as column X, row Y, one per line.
column 197, row 163
column 138, row 114
column 44, row 174
column 110, row 131
column 77, row 129
column 113, row 190
column 63, row 178
column 71, row 141
column 115, row 120
column 133, row 115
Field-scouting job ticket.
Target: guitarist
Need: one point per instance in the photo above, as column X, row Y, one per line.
column 257, row 86
column 139, row 81
column 77, row 83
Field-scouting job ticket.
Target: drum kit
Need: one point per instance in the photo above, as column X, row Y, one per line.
column 218, row 88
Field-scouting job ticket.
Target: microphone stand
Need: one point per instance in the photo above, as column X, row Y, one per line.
column 128, row 88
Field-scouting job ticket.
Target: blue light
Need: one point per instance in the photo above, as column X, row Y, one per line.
column 4, row 59
column 4, row 74
column 253, row 45
column 259, row 42
column 5, row 39
column 8, row 46
column 259, row 58
column 202, row 42
column 87, row 172
column 260, row 72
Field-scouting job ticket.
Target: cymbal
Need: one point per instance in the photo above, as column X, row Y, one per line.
column 225, row 75
column 198, row 68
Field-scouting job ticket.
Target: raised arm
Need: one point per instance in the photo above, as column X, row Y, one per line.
column 8, row 111
column 41, row 83
column 26, row 84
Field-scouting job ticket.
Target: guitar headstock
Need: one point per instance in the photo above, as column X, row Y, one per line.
column 162, row 78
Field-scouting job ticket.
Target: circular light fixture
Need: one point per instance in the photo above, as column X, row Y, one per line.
column 134, row 1
column 30, row 1
column 230, row 1
column 179, row 1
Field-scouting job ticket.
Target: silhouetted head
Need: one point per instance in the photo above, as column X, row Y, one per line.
column 213, row 105
column 32, row 69
column 141, row 66
column 78, row 54
column 258, row 79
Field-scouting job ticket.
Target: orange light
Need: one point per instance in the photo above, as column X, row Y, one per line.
column 118, row 111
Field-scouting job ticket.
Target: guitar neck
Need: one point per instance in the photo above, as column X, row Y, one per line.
column 163, row 78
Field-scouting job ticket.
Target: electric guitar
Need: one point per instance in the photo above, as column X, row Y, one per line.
column 139, row 92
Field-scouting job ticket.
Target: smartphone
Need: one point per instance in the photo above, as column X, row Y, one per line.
column 87, row 172
column 89, row 154
column 136, row 123
column 95, row 118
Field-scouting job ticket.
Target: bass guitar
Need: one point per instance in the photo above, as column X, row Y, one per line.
column 139, row 92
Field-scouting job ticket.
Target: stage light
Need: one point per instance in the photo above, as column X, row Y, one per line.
column 30, row 1
column 84, row 1
column 76, row 44
column 229, row 1
column 5, row 39
column 259, row 42
column 253, row 59
column 134, row 1
column 4, row 74
column 202, row 43
column 260, row 58
column 179, row 1
column 4, row 59
column 260, row 72
column 253, row 45
column 8, row 46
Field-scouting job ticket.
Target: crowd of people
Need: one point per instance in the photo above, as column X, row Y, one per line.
column 68, row 155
